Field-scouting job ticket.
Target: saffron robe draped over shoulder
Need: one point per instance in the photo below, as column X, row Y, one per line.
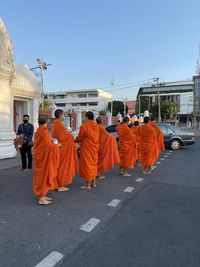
column 68, row 155
column 149, row 145
column 160, row 137
column 88, row 138
column 128, row 146
column 46, row 162
column 135, row 131
column 108, row 154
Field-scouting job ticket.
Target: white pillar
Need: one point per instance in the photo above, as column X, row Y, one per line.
column 109, row 118
column 7, row 149
column 78, row 118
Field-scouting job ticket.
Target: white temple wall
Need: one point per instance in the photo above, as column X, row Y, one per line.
column 7, row 134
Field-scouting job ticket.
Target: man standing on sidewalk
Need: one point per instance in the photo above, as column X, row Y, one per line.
column 26, row 130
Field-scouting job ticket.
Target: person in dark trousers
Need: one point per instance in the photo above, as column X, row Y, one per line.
column 26, row 130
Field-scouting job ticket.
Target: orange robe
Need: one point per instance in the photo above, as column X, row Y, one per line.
column 160, row 137
column 68, row 155
column 88, row 137
column 135, row 130
column 128, row 146
column 108, row 154
column 46, row 162
column 149, row 145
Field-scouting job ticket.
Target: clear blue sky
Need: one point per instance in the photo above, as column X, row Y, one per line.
column 89, row 42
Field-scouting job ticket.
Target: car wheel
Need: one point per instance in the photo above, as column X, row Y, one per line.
column 175, row 144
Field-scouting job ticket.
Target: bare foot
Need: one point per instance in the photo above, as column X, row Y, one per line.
column 93, row 183
column 44, row 201
column 102, row 177
column 63, row 189
column 126, row 174
column 48, row 198
column 147, row 172
column 85, row 187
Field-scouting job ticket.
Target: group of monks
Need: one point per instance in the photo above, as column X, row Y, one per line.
column 56, row 160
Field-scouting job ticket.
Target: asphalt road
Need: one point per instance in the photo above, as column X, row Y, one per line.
column 157, row 224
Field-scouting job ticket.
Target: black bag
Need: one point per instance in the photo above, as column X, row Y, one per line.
column 28, row 143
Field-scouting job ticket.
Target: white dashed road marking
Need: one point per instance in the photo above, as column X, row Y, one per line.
column 114, row 203
column 158, row 162
column 162, row 159
column 90, row 225
column 166, row 156
column 51, row 260
column 139, row 180
column 129, row 189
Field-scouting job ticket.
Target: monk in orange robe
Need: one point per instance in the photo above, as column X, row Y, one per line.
column 88, row 138
column 135, row 130
column 68, row 155
column 148, row 145
column 160, row 136
column 46, row 162
column 108, row 154
column 128, row 147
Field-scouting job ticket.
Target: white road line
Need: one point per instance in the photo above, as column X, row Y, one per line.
column 166, row 156
column 114, row 203
column 162, row 159
column 139, row 180
column 129, row 189
column 51, row 260
column 90, row 225
column 158, row 162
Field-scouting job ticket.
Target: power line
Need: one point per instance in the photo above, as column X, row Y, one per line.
column 126, row 84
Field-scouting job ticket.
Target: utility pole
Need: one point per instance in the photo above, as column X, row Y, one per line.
column 125, row 100
column 158, row 85
column 139, row 105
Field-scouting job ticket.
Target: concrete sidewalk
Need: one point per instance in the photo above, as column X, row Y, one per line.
column 9, row 163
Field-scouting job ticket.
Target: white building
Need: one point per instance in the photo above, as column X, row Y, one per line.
column 179, row 92
column 19, row 94
column 88, row 99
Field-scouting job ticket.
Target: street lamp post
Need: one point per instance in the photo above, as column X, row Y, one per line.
column 111, row 104
column 42, row 65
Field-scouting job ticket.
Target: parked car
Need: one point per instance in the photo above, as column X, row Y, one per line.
column 174, row 138
column 112, row 129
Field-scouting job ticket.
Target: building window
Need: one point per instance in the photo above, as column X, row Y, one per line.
column 59, row 96
column 45, row 97
column 60, row 104
column 93, row 104
column 93, row 95
column 82, row 104
column 82, row 95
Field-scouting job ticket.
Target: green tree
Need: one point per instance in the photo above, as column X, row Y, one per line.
column 46, row 104
column 143, row 102
column 118, row 107
column 168, row 110
column 102, row 113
